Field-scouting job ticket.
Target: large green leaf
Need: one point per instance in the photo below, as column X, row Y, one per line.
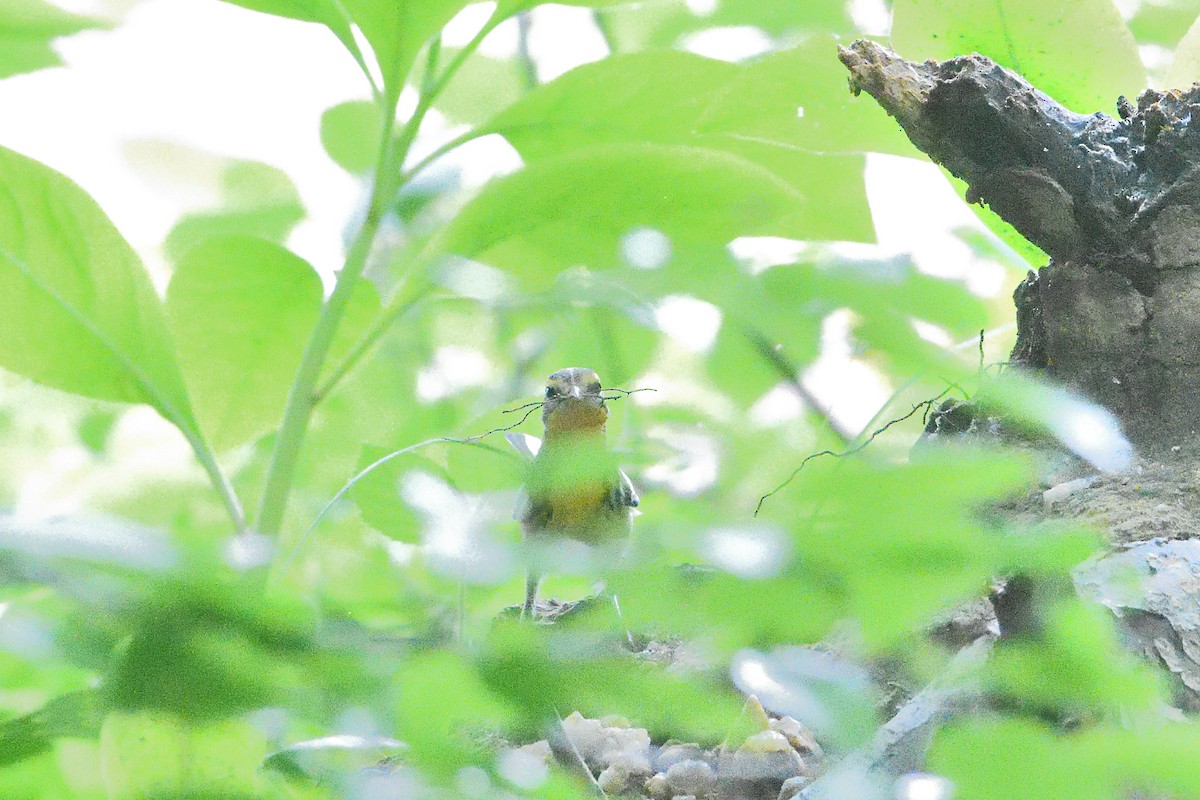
column 256, row 200
column 1185, row 67
column 241, row 310
column 26, row 29
column 397, row 30
column 350, row 134
column 1077, row 51
column 77, row 310
column 576, row 208
column 798, row 97
column 720, row 107
column 146, row 754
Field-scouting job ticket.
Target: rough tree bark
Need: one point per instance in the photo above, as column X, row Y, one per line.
column 1114, row 202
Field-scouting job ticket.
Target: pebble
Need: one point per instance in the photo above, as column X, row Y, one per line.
column 658, row 788
column 691, row 777
column 793, row 786
column 674, row 753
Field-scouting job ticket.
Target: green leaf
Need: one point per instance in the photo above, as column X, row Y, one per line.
column 350, row 134
column 150, row 755
column 256, row 200
column 482, row 87
column 606, row 101
column 26, row 29
column 798, row 97
column 241, row 310
column 1185, row 67
column 713, row 105
column 1079, row 53
column 77, row 310
column 398, row 29
column 575, row 209
column 76, row 715
column 1163, row 23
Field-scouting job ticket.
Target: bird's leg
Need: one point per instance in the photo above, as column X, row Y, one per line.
column 531, row 587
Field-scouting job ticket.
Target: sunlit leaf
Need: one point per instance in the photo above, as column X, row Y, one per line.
column 256, row 200
column 157, row 755
column 77, row 310
column 1079, row 53
column 350, row 134
column 241, row 310
column 27, row 28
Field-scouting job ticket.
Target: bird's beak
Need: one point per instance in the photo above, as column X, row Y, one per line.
column 576, row 392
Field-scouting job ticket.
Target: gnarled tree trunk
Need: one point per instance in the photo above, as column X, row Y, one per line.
column 1114, row 202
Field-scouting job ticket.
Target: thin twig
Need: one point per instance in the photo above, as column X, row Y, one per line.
column 924, row 404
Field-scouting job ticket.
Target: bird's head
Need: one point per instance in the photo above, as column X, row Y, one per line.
column 573, row 402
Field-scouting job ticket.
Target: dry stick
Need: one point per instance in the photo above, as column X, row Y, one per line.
column 790, row 374
column 924, row 404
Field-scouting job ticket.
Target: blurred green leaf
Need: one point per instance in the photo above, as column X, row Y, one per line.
column 350, row 134
column 565, row 670
column 27, row 27
column 559, row 212
column 481, row 88
column 1028, row 759
column 74, row 715
column 799, row 97
column 77, row 310
column 1079, row 53
column 154, row 755
column 1185, row 67
column 257, row 200
column 241, row 310
column 1163, row 22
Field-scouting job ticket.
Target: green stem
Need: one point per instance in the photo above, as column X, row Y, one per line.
column 300, row 402
column 528, row 66
column 453, row 144
column 303, row 396
column 385, row 320
column 217, row 476
column 605, row 28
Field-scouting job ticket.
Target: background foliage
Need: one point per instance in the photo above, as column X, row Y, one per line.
column 171, row 642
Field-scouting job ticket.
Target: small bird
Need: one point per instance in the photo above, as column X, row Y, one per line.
column 574, row 488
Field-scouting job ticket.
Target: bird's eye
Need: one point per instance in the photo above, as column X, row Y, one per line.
column 551, row 391
column 594, row 388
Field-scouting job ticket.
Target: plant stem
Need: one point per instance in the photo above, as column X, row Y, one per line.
column 524, row 57
column 385, row 320
column 217, row 477
column 302, row 397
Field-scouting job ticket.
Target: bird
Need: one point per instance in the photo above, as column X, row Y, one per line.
column 574, row 488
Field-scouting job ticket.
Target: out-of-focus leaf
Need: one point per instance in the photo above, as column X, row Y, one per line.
column 442, row 700
column 1027, row 759
column 257, row 200
column 397, row 30
column 885, row 545
column 74, row 715
column 576, row 208
column 481, row 88
column 1079, row 647
column 241, row 310
column 567, row 670
column 799, row 97
column 350, row 134
column 378, row 493
column 1079, row 53
column 206, row 652
column 77, row 310
column 1185, row 67
column 1163, row 22
column 156, row 755
column 27, row 27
